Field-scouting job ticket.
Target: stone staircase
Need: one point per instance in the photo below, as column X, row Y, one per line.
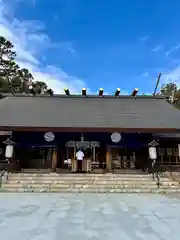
column 86, row 183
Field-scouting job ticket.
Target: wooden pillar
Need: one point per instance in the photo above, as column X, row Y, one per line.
column 54, row 160
column 74, row 161
column 94, row 154
column 109, row 160
column 12, row 163
column 74, row 165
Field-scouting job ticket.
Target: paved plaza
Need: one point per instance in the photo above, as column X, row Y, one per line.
column 91, row 216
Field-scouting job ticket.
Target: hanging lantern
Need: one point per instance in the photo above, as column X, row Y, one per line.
column 9, row 151
column 152, row 153
column 9, row 148
column 153, row 150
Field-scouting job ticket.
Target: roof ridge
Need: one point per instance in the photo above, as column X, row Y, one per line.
column 80, row 96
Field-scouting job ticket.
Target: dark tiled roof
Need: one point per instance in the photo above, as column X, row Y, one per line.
column 91, row 111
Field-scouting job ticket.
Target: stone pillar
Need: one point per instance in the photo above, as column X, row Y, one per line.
column 108, row 160
column 54, row 160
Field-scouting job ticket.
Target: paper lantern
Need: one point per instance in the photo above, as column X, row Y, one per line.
column 9, row 151
column 152, row 153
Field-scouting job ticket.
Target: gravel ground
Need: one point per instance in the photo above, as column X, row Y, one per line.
column 89, row 216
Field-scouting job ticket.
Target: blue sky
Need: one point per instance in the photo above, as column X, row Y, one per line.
column 95, row 43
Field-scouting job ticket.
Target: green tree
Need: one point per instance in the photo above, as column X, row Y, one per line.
column 169, row 90
column 24, row 79
column 8, row 67
column 40, row 87
column 12, row 78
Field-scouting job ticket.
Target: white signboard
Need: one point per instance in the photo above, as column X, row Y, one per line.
column 115, row 137
column 49, row 136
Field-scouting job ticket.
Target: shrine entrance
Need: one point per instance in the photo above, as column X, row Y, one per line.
column 92, row 155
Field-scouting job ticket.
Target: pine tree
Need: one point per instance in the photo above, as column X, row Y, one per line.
column 8, row 67
column 26, row 79
column 12, row 78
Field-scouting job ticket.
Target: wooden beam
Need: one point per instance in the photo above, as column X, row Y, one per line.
column 90, row 129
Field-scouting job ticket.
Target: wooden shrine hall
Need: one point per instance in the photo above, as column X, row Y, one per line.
column 113, row 131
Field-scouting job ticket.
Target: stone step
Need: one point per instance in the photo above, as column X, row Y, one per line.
column 119, row 171
column 90, row 179
column 100, row 190
column 80, row 175
column 107, row 183
column 74, row 185
column 97, row 182
column 83, row 175
column 95, row 190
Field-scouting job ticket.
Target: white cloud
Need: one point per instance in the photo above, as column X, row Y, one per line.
column 157, row 48
column 172, row 76
column 71, row 50
column 145, row 74
column 172, row 50
column 145, row 38
column 30, row 41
